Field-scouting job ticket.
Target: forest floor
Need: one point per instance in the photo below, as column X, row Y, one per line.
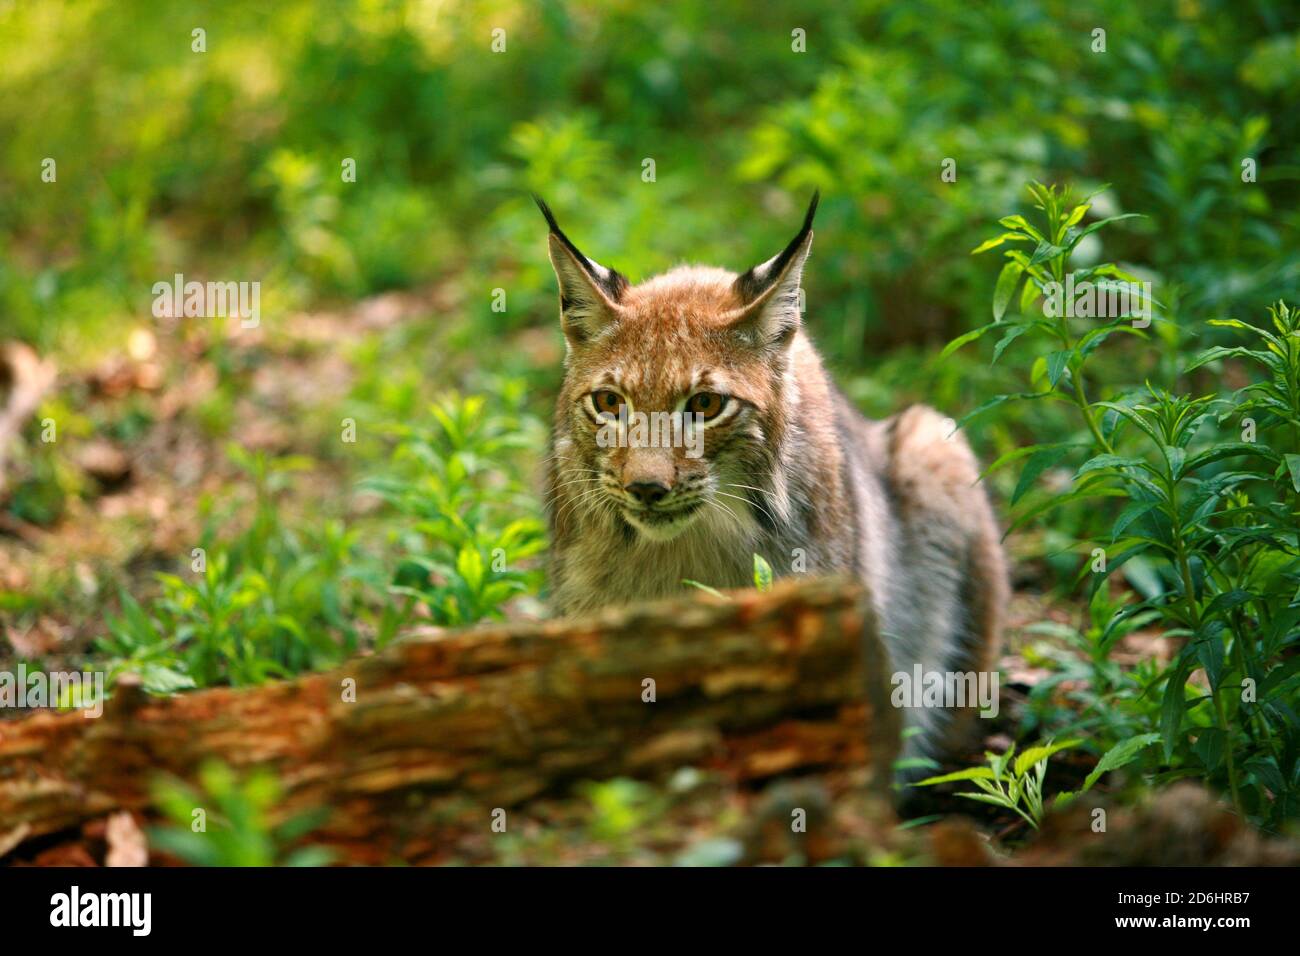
column 144, row 436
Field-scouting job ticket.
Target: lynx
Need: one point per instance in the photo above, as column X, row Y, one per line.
column 789, row 469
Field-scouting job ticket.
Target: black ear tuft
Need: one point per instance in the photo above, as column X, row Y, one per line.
column 753, row 283
column 611, row 281
column 812, row 211
column 557, row 232
column 546, row 211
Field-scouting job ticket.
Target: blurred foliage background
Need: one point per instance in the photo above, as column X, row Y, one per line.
column 227, row 163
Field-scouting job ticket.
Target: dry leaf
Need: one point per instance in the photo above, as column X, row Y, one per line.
column 126, row 843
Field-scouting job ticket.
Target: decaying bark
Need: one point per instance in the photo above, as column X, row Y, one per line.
column 448, row 726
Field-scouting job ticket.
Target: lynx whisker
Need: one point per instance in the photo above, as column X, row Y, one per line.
column 747, row 501
column 569, row 505
column 730, row 515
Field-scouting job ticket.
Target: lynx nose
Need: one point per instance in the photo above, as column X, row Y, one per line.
column 649, row 493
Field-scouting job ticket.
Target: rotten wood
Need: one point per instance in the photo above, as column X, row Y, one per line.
column 445, row 727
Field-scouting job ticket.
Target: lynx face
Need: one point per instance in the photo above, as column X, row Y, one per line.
column 669, row 414
column 676, row 392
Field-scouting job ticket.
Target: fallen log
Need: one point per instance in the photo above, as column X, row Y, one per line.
column 441, row 729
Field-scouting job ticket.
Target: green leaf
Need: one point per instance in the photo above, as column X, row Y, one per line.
column 1228, row 600
column 1029, row 293
column 1045, row 251
column 1122, row 754
column 1008, row 279
column 1220, row 351
column 1134, row 417
column 916, row 763
column 1293, row 466
column 1226, row 450
column 1108, row 462
column 970, row 773
column 762, row 573
column 1057, row 363
column 1132, row 512
column 1265, row 770
column 1018, row 453
column 1093, row 340
column 1210, row 651
column 162, row 679
column 1064, row 798
column 1209, row 747
column 1175, row 458
column 1013, row 333
column 996, row 241
column 965, row 338
column 704, row 587
column 1076, row 214
column 1027, row 759
column 1171, row 708
column 1126, row 621
column 1142, row 575
column 997, row 400
column 469, row 565
column 995, row 799
column 1020, row 223
column 1039, row 462
column 1053, row 502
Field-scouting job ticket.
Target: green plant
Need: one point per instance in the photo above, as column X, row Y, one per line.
column 231, row 821
column 620, row 807
column 762, row 579
column 1207, row 527
column 474, row 525
column 276, row 599
column 1017, row 785
column 1013, row 785
column 707, row 589
column 268, row 603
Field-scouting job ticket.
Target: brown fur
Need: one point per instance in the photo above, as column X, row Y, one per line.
column 789, row 470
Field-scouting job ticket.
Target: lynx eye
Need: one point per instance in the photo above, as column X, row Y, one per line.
column 707, row 404
column 606, row 402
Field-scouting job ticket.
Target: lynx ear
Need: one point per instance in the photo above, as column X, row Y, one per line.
column 589, row 292
column 771, row 292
